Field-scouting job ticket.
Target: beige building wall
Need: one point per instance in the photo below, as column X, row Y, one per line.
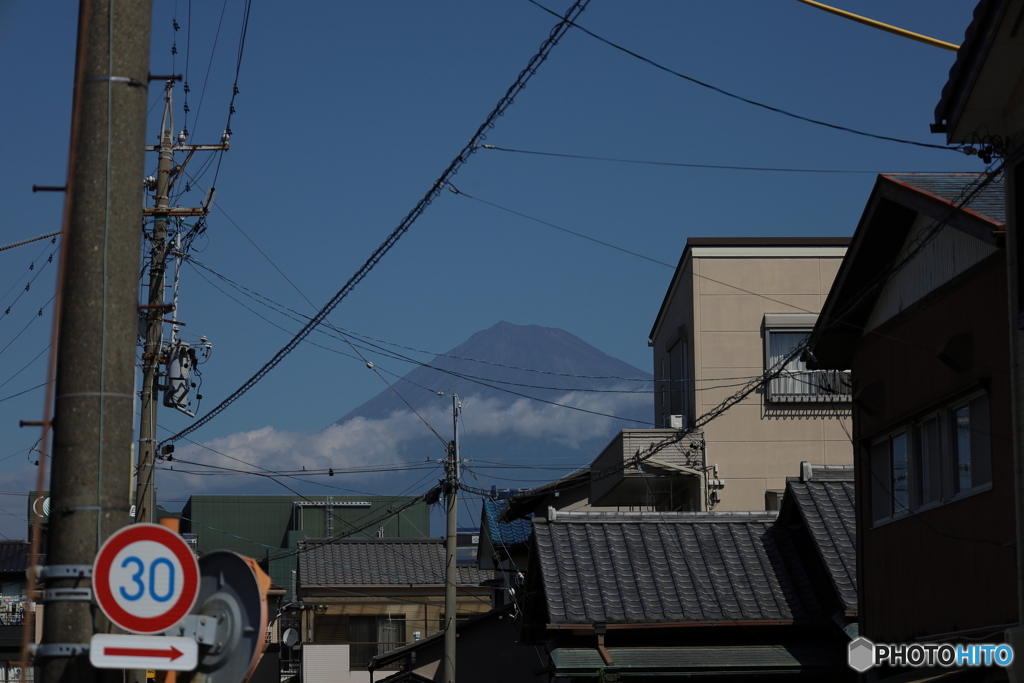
column 718, row 303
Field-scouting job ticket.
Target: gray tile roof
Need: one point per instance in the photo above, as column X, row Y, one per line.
column 378, row 562
column 827, row 509
column 671, row 568
column 989, row 202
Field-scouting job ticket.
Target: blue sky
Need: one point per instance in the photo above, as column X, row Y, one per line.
column 348, row 112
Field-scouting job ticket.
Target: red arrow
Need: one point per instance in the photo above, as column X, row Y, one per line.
column 171, row 653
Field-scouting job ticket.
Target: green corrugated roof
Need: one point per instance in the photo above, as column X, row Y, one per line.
column 261, row 526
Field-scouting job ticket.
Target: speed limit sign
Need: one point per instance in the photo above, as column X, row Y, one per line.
column 145, row 578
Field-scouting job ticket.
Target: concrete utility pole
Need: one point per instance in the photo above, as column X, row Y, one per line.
column 145, row 501
column 450, row 545
column 94, row 395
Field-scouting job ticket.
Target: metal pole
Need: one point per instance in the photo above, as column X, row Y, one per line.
column 451, row 542
column 145, row 501
column 94, row 392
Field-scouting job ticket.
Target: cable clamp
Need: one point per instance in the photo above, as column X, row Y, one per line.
column 67, row 595
column 116, row 79
column 47, row 650
column 64, row 571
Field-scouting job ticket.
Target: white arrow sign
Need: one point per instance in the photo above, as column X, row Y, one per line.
column 163, row 653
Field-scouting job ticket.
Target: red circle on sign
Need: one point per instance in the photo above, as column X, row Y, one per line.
column 105, row 595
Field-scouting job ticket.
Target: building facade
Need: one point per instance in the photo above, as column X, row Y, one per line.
column 735, row 308
column 365, row 597
column 918, row 313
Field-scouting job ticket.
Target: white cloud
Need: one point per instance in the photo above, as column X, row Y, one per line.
column 361, row 441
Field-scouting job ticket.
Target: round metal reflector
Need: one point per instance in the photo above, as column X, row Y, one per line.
column 232, row 590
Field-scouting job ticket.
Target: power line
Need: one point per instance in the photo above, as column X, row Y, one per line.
column 270, row 303
column 899, row 262
column 38, row 386
column 213, row 51
column 31, row 267
column 29, row 241
column 746, row 99
column 587, row 237
column 28, row 285
column 25, row 367
column 234, row 85
column 675, row 164
column 31, row 320
column 457, row 191
column 359, row 356
column 406, row 222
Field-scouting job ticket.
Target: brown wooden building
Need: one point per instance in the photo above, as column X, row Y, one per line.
column 918, row 312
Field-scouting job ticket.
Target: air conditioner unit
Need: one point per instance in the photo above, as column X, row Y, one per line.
column 676, row 421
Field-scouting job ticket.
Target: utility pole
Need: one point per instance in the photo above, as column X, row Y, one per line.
column 95, row 373
column 145, row 501
column 451, row 542
column 154, row 351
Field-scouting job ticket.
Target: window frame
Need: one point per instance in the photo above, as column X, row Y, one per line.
column 944, row 461
column 798, row 323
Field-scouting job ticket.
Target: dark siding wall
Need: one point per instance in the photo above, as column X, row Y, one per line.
column 924, row 574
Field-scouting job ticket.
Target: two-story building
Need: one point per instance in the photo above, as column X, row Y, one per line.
column 364, row 597
column 982, row 107
column 918, row 312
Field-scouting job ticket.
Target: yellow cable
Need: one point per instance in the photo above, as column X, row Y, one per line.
column 885, row 27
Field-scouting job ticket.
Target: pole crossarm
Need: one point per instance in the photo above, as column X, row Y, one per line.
column 175, row 211
column 192, row 148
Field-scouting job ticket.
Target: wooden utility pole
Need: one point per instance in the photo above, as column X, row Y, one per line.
column 94, row 396
column 450, row 546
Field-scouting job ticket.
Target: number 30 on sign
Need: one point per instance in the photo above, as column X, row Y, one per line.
column 145, row 578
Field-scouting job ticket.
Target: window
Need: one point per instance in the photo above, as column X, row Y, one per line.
column 678, row 386
column 371, row 636
column 664, row 393
column 1018, row 218
column 932, row 460
column 797, row 384
column 927, row 460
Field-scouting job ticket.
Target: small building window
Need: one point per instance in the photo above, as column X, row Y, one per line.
column 796, row 383
column 678, row 384
column 932, row 460
column 664, row 393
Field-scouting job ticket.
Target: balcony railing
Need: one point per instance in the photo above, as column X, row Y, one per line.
column 811, row 386
column 360, row 653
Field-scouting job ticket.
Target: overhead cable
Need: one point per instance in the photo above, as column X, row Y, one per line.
column 676, row 164
column 29, row 241
column 407, row 222
column 734, row 96
column 898, row 263
column 456, row 190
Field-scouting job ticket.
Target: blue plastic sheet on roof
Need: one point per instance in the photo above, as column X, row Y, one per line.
column 505, row 533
